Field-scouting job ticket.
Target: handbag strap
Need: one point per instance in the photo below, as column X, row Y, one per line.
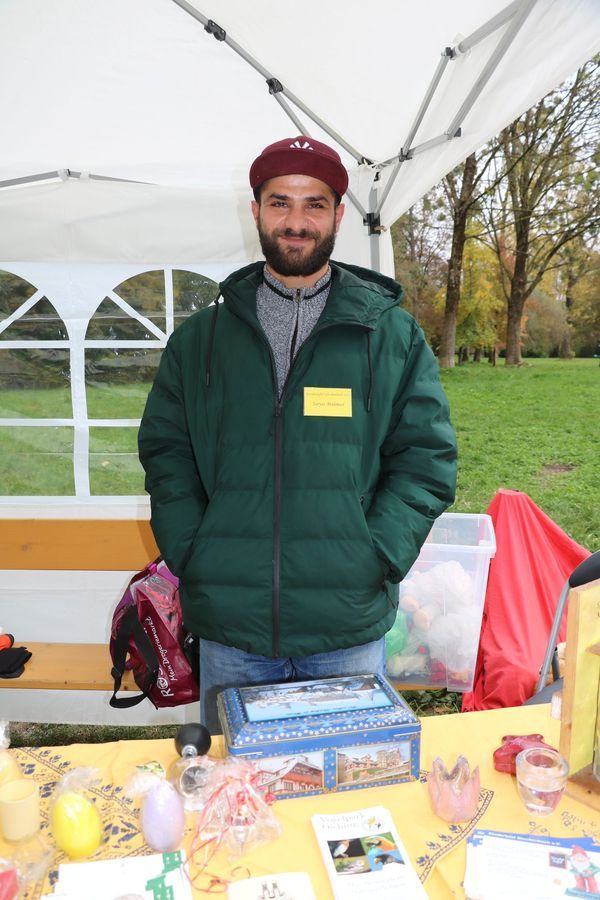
column 131, row 627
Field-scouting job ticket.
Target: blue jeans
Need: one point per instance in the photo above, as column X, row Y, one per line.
column 222, row 667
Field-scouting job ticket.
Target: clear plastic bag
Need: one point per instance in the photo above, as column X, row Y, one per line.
column 75, row 822
column 235, row 814
column 10, row 769
column 162, row 817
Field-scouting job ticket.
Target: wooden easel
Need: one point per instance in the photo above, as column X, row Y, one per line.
column 581, row 693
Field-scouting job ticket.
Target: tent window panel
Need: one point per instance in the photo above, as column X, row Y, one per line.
column 35, row 384
column 145, row 293
column 40, row 323
column 118, row 381
column 114, row 465
column 14, row 291
column 190, row 293
column 36, row 461
column 111, row 323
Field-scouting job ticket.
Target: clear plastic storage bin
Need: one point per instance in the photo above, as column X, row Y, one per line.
column 434, row 640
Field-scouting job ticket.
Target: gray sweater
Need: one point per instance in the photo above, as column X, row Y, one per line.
column 287, row 317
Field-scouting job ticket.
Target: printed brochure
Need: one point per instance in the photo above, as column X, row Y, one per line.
column 365, row 857
column 531, row 867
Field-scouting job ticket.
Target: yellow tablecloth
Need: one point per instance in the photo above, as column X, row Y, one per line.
column 437, row 849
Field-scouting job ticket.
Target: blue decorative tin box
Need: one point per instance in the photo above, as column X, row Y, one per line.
column 312, row 737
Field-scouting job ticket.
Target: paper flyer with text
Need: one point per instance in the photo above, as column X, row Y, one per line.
column 531, row 867
column 365, row 857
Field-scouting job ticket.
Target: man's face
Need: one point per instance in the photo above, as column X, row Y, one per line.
column 297, row 222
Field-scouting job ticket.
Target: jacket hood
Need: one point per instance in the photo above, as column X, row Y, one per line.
column 367, row 294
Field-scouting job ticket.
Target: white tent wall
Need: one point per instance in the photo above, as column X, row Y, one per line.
column 138, row 90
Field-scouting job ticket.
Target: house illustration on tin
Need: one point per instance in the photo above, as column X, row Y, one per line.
column 359, row 764
column 294, row 774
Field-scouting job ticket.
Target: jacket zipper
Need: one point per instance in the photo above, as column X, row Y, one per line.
column 276, row 580
column 297, row 298
column 278, row 438
column 277, row 476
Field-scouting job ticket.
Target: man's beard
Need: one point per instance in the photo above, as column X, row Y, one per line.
column 289, row 261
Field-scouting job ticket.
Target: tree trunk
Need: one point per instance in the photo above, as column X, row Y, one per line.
column 459, row 236
column 477, row 355
column 513, row 331
column 518, row 293
column 565, row 351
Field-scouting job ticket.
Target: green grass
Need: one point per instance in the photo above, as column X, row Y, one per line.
column 36, row 403
column 36, row 461
column 533, row 429
column 117, row 401
column 34, row 734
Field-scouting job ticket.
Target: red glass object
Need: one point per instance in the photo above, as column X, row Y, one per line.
column 512, row 744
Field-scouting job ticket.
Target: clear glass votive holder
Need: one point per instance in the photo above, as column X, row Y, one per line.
column 541, row 778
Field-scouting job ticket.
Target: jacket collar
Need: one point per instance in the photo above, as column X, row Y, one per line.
column 357, row 296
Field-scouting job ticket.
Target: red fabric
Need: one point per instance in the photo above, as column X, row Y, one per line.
column 534, row 558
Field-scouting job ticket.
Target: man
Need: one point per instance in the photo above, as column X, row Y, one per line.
column 297, row 446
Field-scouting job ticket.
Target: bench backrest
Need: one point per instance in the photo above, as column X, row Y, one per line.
column 74, row 544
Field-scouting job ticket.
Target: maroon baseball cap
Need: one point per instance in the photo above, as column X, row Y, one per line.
column 300, row 155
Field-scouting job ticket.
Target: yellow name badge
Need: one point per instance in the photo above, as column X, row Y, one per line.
column 328, row 402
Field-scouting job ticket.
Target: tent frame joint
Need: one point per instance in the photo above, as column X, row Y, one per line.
column 275, row 86
column 373, row 222
column 217, row 31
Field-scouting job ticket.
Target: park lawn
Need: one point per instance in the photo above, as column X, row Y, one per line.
column 534, row 429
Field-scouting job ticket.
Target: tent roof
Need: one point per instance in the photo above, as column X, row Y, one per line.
column 139, row 90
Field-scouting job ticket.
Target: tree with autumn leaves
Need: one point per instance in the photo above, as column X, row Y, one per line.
column 517, row 216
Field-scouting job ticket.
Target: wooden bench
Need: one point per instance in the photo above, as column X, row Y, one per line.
column 72, row 545
column 68, row 667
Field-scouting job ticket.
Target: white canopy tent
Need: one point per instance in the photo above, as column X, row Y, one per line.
column 181, row 96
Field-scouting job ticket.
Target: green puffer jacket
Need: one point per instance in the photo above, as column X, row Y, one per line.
column 288, row 529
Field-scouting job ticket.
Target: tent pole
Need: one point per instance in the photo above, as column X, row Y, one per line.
column 374, row 247
column 289, row 112
column 517, row 12
column 489, row 27
column 30, row 179
column 62, row 175
column 447, row 55
column 221, row 35
column 415, row 151
column 506, row 40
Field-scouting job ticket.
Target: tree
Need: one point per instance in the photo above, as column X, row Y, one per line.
column 545, row 324
column 577, row 260
column 480, row 314
column 461, row 203
column 419, row 238
column 585, row 310
column 545, row 192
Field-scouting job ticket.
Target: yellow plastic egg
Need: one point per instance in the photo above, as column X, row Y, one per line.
column 75, row 824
